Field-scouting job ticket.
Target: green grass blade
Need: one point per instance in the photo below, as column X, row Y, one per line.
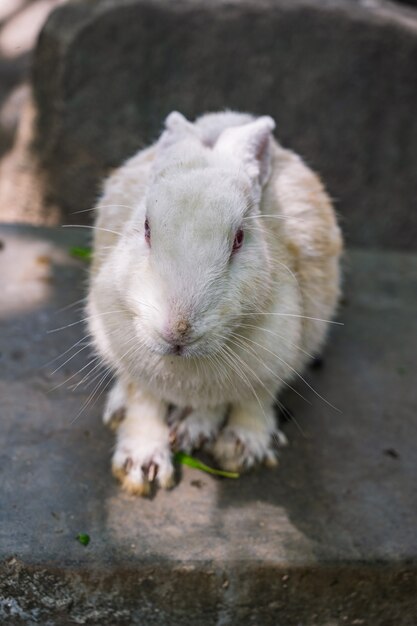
column 185, row 459
column 83, row 538
column 81, row 253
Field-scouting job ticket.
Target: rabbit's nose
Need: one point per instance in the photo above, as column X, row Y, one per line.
column 176, row 332
column 182, row 326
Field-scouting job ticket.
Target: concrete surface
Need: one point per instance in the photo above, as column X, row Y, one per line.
column 328, row 538
column 337, row 75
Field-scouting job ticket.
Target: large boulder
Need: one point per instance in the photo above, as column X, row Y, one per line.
column 338, row 76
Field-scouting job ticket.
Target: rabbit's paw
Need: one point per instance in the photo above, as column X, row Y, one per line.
column 139, row 465
column 115, row 407
column 197, row 429
column 237, row 448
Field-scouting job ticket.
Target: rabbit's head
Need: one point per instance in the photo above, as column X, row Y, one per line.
column 192, row 263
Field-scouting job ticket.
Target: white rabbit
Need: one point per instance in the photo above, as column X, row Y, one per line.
column 216, row 256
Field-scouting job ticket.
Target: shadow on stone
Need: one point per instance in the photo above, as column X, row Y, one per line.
column 330, row 532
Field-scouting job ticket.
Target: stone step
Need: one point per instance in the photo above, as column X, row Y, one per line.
column 327, row 538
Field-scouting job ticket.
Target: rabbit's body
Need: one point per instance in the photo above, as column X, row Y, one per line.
column 194, row 318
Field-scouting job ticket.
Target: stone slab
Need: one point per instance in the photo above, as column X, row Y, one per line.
column 337, row 75
column 327, row 538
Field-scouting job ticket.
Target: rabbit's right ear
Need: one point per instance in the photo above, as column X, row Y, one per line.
column 176, row 121
column 177, row 127
column 250, row 145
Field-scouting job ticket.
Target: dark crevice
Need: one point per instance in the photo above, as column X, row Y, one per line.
column 410, row 3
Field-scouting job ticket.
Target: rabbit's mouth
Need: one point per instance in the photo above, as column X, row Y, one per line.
column 184, row 349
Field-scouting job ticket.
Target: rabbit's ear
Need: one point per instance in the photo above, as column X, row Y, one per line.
column 250, row 144
column 176, row 121
column 177, row 127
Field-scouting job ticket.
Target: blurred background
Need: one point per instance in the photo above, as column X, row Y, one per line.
column 20, row 194
column 86, row 83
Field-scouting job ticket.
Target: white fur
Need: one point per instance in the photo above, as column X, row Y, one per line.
column 198, row 429
column 248, row 437
column 116, row 402
column 246, row 314
column 143, row 441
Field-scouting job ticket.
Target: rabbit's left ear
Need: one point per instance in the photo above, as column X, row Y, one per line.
column 251, row 145
column 177, row 127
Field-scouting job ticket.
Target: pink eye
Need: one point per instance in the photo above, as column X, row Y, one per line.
column 147, row 232
column 238, row 240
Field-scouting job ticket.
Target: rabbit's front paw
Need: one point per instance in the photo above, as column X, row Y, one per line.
column 197, row 429
column 139, row 465
column 237, row 448
column 115, row 407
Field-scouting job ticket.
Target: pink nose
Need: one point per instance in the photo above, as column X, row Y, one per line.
column 176, row 333
column 182, row 326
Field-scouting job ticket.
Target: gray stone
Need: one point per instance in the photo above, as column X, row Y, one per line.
column 338, row 76
column 327, row 538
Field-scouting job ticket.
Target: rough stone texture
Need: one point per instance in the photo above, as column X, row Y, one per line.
column 20, row 23
column 327, row 539
column 21, row 188
column 337, row 75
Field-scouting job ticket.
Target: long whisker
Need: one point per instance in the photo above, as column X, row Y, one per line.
column 220, row 359
column 253, row 352
column 70, row 306
column 88, row 379
column 107, row 230
column 222, row 365
column 103, row 206
column 86, row 376
column 306, row 317
column 244, row 364
column 276, row 217
column 88, row 345
column 230, row 358
column 90, row 398
column 293, row 370
column 101, row 363
column 85, row 319
column 93, row 360
column 275, row 398
column 228, row 354
column 77, row 343
column 291, row 273
column 98, row 365
column 290, row 417
column 212, row 363
column 266, row 330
